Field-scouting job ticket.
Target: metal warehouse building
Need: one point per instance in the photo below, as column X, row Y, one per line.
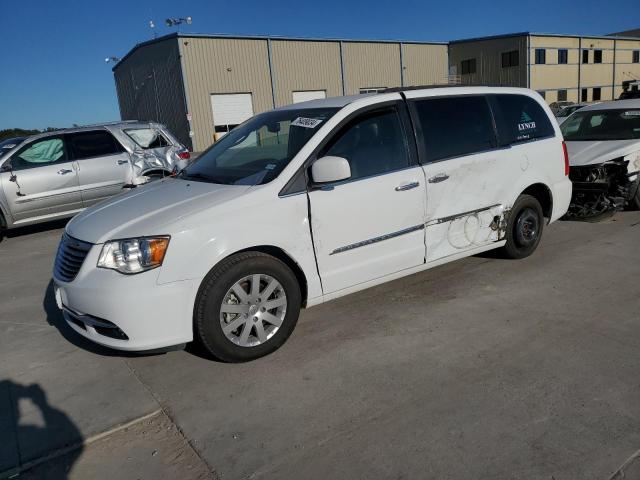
column 559, row 67
column 200, row 86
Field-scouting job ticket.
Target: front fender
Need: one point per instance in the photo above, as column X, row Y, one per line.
column 207, row 238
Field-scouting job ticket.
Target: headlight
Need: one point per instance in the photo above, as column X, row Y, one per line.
column 133, row 255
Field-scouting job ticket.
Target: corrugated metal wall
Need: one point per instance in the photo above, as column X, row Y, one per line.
column 149, row 87
column 305, row 65
column 220, row 65
column 369, row 65
column 488, row 55
column 424, row 64
column 149, row 80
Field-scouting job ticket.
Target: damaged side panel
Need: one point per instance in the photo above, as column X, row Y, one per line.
column 466, row 231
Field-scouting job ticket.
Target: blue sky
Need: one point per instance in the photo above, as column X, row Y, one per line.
column 54, row 72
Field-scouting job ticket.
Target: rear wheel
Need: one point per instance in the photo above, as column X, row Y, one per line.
column 524, row 228
column 246, row 307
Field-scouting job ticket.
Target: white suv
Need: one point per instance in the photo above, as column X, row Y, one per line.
column 307, row 203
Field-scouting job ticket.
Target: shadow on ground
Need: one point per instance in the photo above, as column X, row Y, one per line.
column 29, row 425
column 31, row 229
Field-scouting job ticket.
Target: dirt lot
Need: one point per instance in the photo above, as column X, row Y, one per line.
column 483, row 368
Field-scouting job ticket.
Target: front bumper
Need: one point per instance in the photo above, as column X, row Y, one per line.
column 601, row 188
column 126, row 312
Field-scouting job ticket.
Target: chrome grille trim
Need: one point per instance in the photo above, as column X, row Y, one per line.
column 70, row 257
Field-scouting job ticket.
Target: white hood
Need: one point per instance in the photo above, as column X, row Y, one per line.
column 594, row 153
column 153, row 209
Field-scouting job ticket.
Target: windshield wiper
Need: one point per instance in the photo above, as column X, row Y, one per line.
column 200, row 176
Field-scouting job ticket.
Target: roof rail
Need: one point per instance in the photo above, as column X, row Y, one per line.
column 440, row 85
column 115, row 122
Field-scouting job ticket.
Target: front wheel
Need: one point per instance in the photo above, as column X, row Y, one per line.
column 246, row 307
column 524, row 228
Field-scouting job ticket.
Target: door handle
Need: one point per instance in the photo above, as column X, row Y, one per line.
column 441, row 177
column 64, row 171
column 407, row 186
column 122, row 162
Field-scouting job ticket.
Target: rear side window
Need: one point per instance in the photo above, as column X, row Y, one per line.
column 520, row 119
column 93, row 144
column 147, row 138
column 454, row 126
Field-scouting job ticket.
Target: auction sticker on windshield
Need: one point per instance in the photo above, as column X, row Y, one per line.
column 306, row 122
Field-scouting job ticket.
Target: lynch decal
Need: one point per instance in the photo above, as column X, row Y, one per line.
column 526, row 126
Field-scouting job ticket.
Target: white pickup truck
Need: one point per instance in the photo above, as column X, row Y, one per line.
column 307, row 203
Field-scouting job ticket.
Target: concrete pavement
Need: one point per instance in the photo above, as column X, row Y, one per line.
column 483, row 368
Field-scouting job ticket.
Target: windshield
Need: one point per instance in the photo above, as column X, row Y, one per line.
column 9, row 143
column 257, row 151
column 596, row 125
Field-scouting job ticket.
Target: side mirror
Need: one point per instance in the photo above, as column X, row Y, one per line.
column 330, row 169
column 6, row 166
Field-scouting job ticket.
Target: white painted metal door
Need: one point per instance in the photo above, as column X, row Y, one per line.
column 304, row 96
column 372, row 225
column 230, row 109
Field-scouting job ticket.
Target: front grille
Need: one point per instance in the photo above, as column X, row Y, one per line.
column 71, row 254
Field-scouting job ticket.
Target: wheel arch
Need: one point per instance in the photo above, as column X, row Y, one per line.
column 152, row 171
column 281, row 255
column 542, row 193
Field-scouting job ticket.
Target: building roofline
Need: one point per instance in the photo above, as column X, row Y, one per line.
column 265, row 37
column 490, row 37
column 541, row 34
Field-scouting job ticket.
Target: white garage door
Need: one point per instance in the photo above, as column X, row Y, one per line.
column 308, row 95
column 230, row 109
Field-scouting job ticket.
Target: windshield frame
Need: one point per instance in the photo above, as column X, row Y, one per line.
column 593, row 112
column 243, row 132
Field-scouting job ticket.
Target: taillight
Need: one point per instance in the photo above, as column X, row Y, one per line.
column 184, row 155
column 566, row 159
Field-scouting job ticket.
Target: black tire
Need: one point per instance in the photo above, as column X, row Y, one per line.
column 524, row 228
column 216, row 285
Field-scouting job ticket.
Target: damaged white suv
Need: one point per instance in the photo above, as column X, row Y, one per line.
column 603, row 141
column 307, row 203
column 56, row 174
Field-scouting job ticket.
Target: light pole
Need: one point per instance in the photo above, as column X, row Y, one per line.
column 176, row 22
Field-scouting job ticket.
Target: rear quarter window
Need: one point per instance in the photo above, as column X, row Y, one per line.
column 147, row 138
column 520, row 119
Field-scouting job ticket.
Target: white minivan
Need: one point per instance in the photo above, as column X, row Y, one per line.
column 307, row 203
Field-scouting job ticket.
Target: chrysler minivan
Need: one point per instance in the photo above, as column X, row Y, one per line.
column 307, row 203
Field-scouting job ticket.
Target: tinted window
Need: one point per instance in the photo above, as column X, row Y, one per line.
column 636, row 56
column 541, row 55
column 584, row 95
column 585, row 56
column 510, row 59
column 597, row 125
column 520, row 118
column 597, row 56
column 454, row 126
column 563, row 56
column 562, row 95
column 147, row 138
column 597, row 93
column 468, row 66
column 41, row 152
column 93, row 144
column 373, row 144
